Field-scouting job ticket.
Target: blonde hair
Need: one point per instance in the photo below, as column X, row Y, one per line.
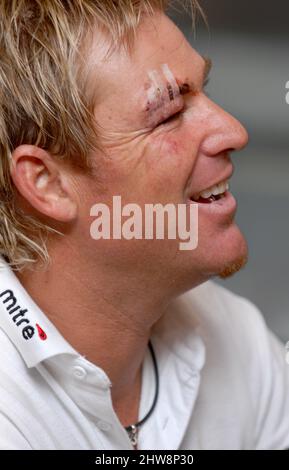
column 43, row 99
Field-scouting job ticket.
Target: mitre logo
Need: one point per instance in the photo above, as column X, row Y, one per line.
column 19, row 317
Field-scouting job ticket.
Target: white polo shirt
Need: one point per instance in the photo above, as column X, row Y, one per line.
column 224, row 380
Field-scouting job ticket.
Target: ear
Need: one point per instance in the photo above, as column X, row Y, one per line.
column 44, row 182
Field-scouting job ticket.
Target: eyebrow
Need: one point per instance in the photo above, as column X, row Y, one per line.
column 207, row 68
column 188, row 88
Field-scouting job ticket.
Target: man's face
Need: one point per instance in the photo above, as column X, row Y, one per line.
column 151, row 161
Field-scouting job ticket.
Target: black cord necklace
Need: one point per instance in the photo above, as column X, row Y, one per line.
column 133, row 428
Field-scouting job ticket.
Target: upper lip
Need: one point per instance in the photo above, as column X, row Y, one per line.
column 226, row 176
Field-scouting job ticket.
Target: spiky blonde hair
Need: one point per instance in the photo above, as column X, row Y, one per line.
column 43, row 98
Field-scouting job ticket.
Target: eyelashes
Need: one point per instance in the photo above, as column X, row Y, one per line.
column 206, row 82
column 172, row 118
column 176, row 116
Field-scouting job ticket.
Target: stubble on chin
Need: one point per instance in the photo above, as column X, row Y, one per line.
column 233, row 267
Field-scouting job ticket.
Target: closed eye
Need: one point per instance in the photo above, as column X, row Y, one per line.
column 177, row 115
column 172, row 118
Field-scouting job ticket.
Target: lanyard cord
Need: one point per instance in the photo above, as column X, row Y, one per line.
column 130, row 429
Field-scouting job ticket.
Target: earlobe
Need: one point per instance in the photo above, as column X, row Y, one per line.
column 43, row 183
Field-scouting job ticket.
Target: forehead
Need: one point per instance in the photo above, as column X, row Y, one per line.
column 123, row 78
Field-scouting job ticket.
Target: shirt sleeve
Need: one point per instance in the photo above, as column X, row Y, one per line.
column 10, row 437
column 272, row 397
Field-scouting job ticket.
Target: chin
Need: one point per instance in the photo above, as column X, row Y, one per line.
column 233, row 267
column 235, row 255
column 225, row 254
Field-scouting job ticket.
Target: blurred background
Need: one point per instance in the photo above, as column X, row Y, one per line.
column 248, row 43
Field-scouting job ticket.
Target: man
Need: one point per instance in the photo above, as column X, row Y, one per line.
column 115, row 331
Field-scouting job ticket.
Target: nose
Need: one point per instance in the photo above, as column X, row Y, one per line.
column 224, row 133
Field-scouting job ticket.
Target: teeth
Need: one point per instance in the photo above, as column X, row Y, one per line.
column 214, row 190
column 206, row 194
column 217, row 190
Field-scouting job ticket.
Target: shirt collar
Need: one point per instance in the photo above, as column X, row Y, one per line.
column 35, row 337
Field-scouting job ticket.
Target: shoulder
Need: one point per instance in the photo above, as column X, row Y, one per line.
column 231, row 328
column 234, row 331
column 211, row 295
column 245, row 376
column 224, row 320
column 230, row 314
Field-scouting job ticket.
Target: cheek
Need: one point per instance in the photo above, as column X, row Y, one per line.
column 166, row 150
column 167, row 163
column 174, row 153
column 173, row 147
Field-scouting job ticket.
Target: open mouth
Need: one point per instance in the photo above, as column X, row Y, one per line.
column 212, row 194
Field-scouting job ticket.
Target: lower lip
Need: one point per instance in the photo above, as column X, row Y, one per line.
column 225, row 206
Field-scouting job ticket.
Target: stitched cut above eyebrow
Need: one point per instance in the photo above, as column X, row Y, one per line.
column 171, row 92
column 171, row 81
column 187, row 89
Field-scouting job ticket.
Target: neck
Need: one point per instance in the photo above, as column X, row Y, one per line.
column 108, row 319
